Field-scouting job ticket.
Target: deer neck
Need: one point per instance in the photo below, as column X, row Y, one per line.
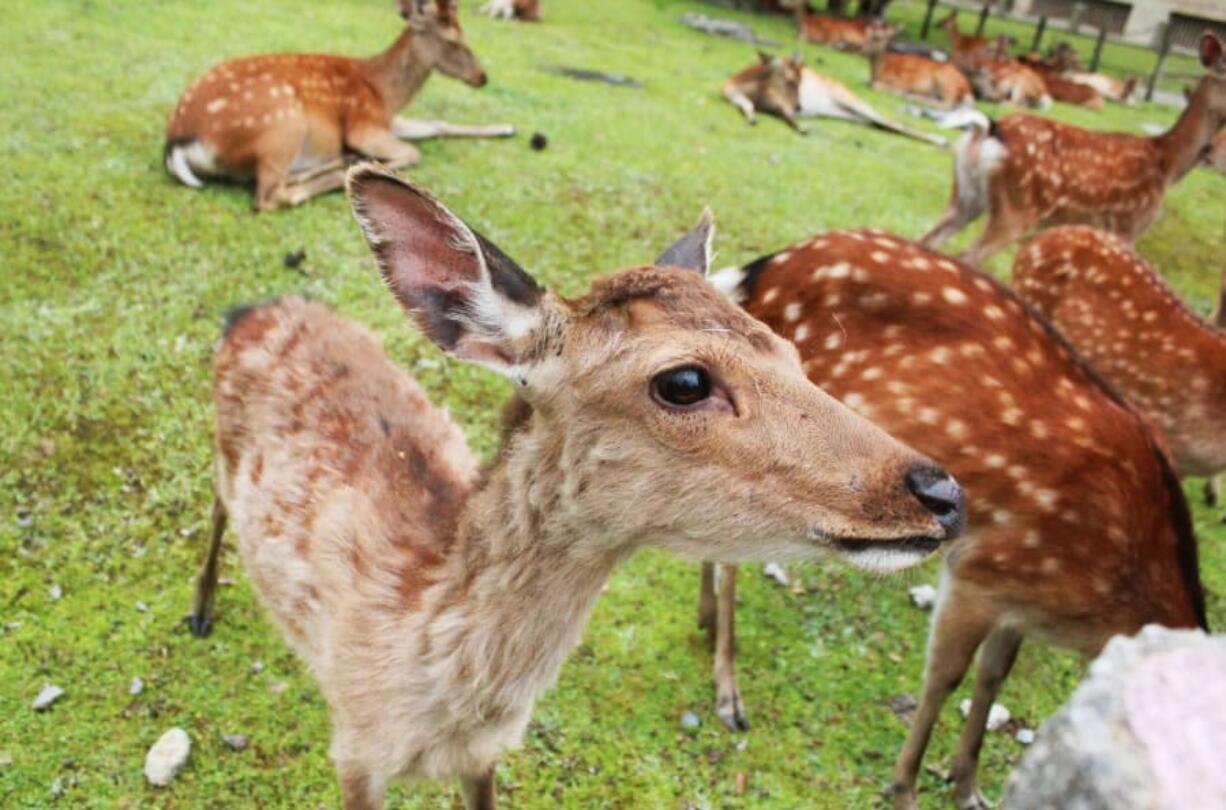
column 1184, row 143
column 1219, row 317
column 395, row 74
column 527, row 575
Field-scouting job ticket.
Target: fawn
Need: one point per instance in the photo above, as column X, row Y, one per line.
column 1124, row 318
column 914, row 76
column 1077, row 528
column 289, row 121
column 1028, row 172
column 525, row 10
column 844, row 33
column 432, row 601
column 959, row 43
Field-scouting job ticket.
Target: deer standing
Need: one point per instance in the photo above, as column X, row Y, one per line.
column 843, row 33
column 789, row 89
column 525, row 10
column 1077, row 528
column 289, row 121
column 1029, row 172
column 433, row 603
column 914, row 76
column 960, row 44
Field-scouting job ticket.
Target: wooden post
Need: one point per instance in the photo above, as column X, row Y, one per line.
column 1162, row 53
column 1038, row 34
column 1098, row 49
column 932, row 7
column 983, row 19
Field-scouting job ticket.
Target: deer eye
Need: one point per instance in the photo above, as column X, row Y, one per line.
column 682, row 387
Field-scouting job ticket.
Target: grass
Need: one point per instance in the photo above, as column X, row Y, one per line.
column 113, row 282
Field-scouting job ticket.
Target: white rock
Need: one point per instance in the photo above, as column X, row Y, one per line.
column 1025, row 736
column 136, row 687
column 923, row 596
column 775, row 571
column 49, row 695
column 167, row 756
column 998, row 715
column 55, row 592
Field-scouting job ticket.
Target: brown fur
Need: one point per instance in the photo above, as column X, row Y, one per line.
column 1077, row 529
column 843, row 33
column 914, row 76
column 433, row 603
column 1032, row 172
column 961, row 44
column 1062, row 89
column 1122, row 316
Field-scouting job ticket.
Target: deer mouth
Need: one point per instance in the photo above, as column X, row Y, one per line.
column 885, row 556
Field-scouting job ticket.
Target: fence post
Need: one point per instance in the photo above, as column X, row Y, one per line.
column 983, row 19
column 1098, row 49
column 932, row 6
column 1038, row 33
column 1163, row 51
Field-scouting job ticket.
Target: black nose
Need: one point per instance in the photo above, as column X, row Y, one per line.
column 940, row 495
column 481, row 81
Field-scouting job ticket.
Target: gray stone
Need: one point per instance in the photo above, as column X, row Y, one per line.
column 690, row 721
column 136, row 687
column 49, row 695
column 235, row 742
column 1144, row 731
column 167, row 756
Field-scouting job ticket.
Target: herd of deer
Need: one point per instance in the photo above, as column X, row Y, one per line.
column 808, row 404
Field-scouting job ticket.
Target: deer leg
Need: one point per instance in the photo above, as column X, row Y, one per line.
column 956, row 633
column 414, row 130
column 358, row 790
column 299, row 192
column 1213, row 490
column 728, row 704
column 1003, row 227
column 995, row 660
column 742, row 103
column 385, row 147
column 201, row 620
column 479, row 792
column 706, row 601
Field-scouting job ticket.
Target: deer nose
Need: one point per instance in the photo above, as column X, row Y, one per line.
column 481, row 80
column 941, row 496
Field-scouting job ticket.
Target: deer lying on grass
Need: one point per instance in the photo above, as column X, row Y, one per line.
column 843, row 33
column 1109, row 87
column 1060, row 88
column 959, row 43
column 996, row 76
column 1029, row 172
column 526, row 10
column 289, row 121
column 1077, row 528
column 434, row 603
column 916, row 77
column 1124, row 318
column 788, row 89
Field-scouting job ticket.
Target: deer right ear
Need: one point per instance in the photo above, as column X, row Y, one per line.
column 1211, row 53
column 464, row 293
column 692, row 251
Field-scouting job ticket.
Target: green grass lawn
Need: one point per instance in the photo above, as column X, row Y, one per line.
column 112, row 282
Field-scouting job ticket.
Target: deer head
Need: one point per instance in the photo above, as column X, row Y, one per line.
column 438, row 41
column 780, row 82
column 1211, row 90
column 677, row 419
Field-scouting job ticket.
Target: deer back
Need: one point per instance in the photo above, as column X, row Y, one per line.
column 1076, row 521
column 1124, row 318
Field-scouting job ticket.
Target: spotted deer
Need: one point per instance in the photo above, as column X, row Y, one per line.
column 1109, row 87
column 843, row 33
column 290, row 121
column 1028, row 172
column 1123, row 317
column 525, row 10
column 790, row 90
column 1077, row 528
column 915, row 76
column 1004, row 79
column 1060, row 88
column 960, row 43
column 433, row 601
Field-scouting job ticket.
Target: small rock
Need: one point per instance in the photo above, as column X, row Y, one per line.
column 903, row 706
column 55, row 592
column 6, row 759
column 235, row 742
column 538, row 141
column 293, row 260
column 49, row 695
column 24, row 520
column 998, row 715
column 279, row 687
column 142, row 607
column 57, row 787
column 690, row 721
column 136, row 687
column 923, row 596
column 742, row 744
column 775, row 571
column 167, row 756
column 1025, row 736
column 256, row 667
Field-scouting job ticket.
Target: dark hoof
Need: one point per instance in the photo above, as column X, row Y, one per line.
column 732, row 714
column 201, row 626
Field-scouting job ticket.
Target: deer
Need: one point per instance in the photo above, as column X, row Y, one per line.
column 1077, row 528
column 1060, row 88
column 916, row 77
column 960, row 44
column 290, row 122
column 1109, row 87
column 843, row 33
column 995, row 76
column 524, row 10
column 1028, row 172
column 1216, row 156
column 433, row 600
column 789, row 89
column 1125, row 319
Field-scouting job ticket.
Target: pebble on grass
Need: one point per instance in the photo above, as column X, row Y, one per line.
column 49, row 695
column 167, row 756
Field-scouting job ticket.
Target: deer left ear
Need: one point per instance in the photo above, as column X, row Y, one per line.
column 1211, row 53
column 692, row 251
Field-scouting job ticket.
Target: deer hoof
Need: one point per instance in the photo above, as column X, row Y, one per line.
column 731, row 712
column 200, row 626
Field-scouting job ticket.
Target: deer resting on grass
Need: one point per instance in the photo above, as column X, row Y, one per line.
column 1077, row 528
column 432, row 601
column 289, row 122
column 1028, row 172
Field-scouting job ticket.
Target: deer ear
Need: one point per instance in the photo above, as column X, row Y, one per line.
column 764, row 57
column 692, row 251
column 464, row 293
column 1211, row 53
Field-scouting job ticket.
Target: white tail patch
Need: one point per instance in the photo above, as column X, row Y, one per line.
column 728, row 282
column 176, row 164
